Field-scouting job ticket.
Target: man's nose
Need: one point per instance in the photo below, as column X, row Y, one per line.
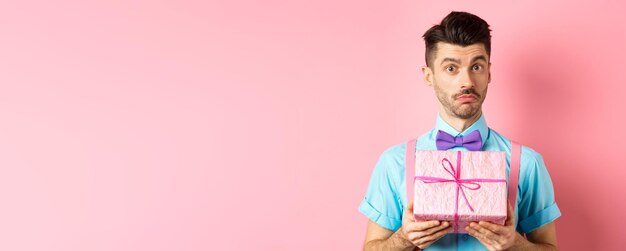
column 466, row 80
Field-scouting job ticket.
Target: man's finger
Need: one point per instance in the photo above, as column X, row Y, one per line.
column 484, row 232
column 408, row 212
column 478, row 235
column 510, row 215
column 422, row 225
column 426, row 241
column 498, row 229
column 433, row 230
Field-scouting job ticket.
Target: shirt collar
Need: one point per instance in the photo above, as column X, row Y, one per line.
column 480, row 125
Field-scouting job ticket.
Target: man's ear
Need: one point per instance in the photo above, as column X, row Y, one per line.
column 428, row 75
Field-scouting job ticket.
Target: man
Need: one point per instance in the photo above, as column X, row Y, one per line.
column 457, row 67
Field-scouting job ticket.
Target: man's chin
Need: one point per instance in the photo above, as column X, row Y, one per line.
column 465, row 113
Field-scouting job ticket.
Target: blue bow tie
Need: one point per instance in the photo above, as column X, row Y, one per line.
column 472, row 141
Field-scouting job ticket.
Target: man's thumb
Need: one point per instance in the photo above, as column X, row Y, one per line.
column 408, row 212
column 409, row 207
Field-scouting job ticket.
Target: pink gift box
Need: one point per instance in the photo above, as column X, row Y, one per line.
column 468, row 186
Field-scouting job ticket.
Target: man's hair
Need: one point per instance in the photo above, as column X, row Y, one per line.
column 458, row 28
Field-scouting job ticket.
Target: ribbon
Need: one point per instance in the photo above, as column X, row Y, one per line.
column 461, row 184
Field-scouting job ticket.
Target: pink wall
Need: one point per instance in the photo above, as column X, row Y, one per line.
column 170, row 125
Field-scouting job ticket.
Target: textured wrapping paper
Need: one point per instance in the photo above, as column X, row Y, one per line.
column 449, row 184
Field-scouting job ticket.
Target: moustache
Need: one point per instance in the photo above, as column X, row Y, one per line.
column 467, row 92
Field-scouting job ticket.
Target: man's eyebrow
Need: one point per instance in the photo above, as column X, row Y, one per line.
column 479, row 58
column 458, row 61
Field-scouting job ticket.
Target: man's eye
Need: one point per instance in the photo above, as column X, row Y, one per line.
column 450, row 68
column 477, row 67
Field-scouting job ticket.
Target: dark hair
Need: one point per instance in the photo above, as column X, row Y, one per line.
column 459, row 28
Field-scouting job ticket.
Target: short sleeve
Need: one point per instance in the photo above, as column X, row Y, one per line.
column 537, row 206
column 381, row 203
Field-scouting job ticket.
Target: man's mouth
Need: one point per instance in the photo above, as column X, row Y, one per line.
column 466, row 98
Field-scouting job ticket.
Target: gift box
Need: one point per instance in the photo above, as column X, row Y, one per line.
column 460, row 187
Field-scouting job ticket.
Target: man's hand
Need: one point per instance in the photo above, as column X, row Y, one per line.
column 495, row 236
column 423, row 233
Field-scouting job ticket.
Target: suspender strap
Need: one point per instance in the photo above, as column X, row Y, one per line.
column 516, row 152
column 410, row 169
column 410, row 172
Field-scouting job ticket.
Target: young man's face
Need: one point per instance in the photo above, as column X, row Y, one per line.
column 460, row 76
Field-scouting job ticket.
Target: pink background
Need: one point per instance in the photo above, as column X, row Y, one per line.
column 187, row 125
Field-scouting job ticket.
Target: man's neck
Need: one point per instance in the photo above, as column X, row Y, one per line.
column 458, row 123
